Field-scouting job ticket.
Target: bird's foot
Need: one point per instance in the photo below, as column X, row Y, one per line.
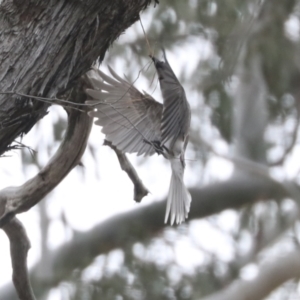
column 159, row 149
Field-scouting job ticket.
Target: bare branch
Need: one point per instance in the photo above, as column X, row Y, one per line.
column 19, row 246
column 271, row 275
column 140, row 191
column 14, row 200
column 268, row 236
column 145, row 222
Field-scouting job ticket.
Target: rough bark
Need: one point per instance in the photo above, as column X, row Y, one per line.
column 45, row 46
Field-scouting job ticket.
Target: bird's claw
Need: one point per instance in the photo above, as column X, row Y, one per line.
column 156, row 145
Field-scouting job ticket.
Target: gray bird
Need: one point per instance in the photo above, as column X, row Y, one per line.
column 135, row 122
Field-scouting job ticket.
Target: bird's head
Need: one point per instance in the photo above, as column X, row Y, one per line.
column 163, row 68
column 158, row 63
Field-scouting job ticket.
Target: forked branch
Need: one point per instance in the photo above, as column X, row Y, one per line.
column 14, row 200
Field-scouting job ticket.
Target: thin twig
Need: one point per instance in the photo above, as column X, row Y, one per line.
column 52, row 101
column 95, row 104
column 47, row 100
column 150, row 50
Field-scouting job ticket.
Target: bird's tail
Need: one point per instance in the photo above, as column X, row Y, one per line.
column 179, row 199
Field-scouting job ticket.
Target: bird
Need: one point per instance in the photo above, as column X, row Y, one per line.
column 134, row 122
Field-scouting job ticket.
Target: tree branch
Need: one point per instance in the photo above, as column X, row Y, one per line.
column 14, row 200
column 267, row 237
column 19, row 246
column 140, row 191
column 270, row 276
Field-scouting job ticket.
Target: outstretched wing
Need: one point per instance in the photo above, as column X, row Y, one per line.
column 128, row 117
column 176, row 115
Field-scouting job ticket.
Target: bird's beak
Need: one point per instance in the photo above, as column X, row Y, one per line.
column 154, row 59
column 158, row 64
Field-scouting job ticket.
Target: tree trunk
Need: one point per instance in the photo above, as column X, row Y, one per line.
column 45, row 46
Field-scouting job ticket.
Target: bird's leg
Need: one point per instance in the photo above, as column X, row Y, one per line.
column 182, row 160
column 157, row 146
column 159, row 149
column 165, row 148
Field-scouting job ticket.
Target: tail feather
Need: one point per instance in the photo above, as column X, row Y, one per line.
column 179, row 199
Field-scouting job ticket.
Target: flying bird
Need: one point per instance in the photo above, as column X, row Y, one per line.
column 135, row 122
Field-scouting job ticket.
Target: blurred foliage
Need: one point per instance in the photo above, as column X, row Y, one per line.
column 139, row 278
column 150, row 270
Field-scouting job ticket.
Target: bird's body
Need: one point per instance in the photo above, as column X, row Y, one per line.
column 134, row 122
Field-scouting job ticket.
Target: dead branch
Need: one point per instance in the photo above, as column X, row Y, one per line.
column 140, row 191
column 19, row 246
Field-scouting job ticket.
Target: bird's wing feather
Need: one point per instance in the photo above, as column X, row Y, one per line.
column 126, row 115
column 176, row 112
